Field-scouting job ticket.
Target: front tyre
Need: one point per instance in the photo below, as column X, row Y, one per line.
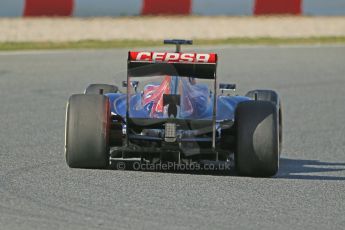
column 87, row 131
column 257, row 139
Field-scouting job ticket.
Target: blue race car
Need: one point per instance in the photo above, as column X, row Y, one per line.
column 174, row 110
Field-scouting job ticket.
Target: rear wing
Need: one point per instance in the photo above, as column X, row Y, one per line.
column 197, row 65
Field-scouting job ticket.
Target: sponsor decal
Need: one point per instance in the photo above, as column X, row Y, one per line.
column 173, row 57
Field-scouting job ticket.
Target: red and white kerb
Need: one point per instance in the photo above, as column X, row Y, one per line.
column 77, row 8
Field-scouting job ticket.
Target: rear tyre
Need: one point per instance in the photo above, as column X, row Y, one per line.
column 87, row 131
column 257, row 139
column 96, row 88
column 272, row 96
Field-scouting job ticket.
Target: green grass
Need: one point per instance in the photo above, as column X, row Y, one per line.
column 98, row 44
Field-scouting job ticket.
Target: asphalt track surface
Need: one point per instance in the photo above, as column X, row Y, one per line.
column 39, row 191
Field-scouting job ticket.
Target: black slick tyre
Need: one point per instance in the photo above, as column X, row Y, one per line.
column 87, row 131
column 257, row 139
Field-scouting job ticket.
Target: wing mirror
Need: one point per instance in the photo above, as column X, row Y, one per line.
column 134, row 84
column 227, row 87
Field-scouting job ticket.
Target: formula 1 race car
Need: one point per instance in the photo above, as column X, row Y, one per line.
column 174, row 111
